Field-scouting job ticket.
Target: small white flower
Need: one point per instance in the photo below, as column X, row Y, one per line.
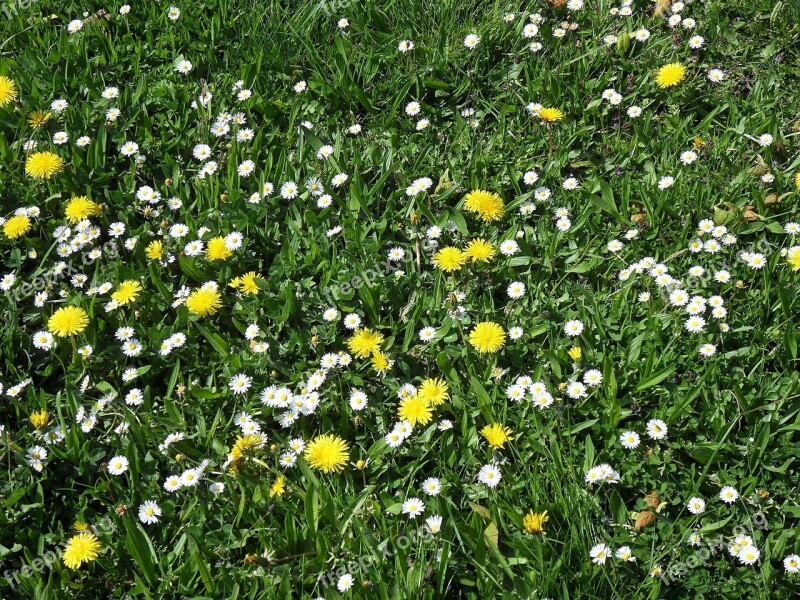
column 792, row 563
column 344, row 583
column 149, row 512
column 118, row 465
column 413, row 507
column 490, row 475
column 471, row 41
column 728, row 494
column 129, row 149
column 629, row 440
column 696, row 505
column 599, row 554
column 624, row 553
column 573, row 328
column 657, row 429
column 696, row 42
column 749, row 555
column 426, row 334
column 434, row 524
column 239, row 384
column 516, row 290
column 707, row 350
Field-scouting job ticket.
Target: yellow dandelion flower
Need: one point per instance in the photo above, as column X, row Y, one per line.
column 381, row 362
column 17, row 226
column 8, row 90
column 67, row 321
column 328, row 453
column 82, row 548
column 487, row 205
column 449, row 259
column 80, row 526
column 415, row 410
column 487, row 337
column 43, row 165
column 480, row 250
column 246, row 284
column 365, row 342
column 154, row 250
column 575, row 353
column 127, row 292
column 204, row 301
column 248, row 443
column 80, row 208
column 434, row 391
column 496, row 435
column 670, row 75
column 550, row 115
column 217, row 250
column 534, row 522
column 38, row 118
column 40, row 418
column 244, row 446
column 793, row 258
column 278, row 488
column 797, row 180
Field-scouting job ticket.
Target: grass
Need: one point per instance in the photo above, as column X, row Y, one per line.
column 733, row 417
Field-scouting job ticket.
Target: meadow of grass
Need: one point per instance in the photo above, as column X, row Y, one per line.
column 266, row 224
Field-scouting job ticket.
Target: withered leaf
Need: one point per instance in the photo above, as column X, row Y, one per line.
column 644, row 518
column 652, row 499
column 750, row 215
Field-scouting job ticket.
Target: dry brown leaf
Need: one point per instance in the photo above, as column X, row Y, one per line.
column 644, row 518
column 750, row 215
column 652, row 499
column 638, row 217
